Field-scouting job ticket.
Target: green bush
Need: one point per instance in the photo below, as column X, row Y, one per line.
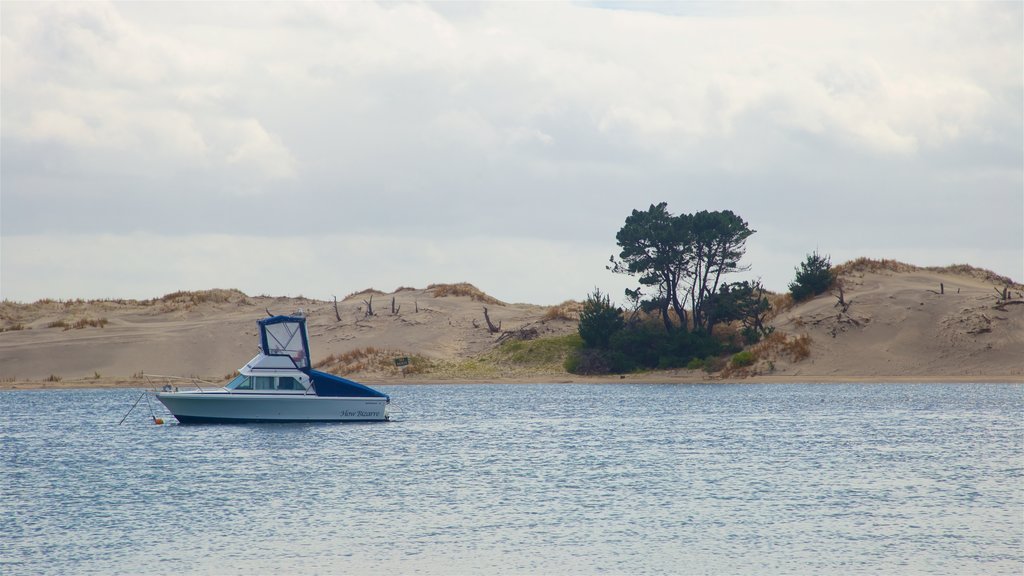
column 588, row 361
column 599, row 320
column 813, row 277
column 713, row 364
column 742, row 359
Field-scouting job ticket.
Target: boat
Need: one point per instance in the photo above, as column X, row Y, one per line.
column 279, row 385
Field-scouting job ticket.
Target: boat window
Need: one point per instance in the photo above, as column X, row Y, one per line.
column 263, row 382
column 288, row 383
column 240, row 383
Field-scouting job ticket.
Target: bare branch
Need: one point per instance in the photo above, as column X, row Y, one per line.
column 490, row 325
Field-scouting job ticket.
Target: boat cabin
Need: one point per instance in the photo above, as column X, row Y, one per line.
column 244, row 382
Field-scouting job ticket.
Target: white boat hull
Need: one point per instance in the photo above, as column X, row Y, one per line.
column 224, row 406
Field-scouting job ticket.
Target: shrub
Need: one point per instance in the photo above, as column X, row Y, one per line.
column 695, row 364
column 799, row 348
column 599, row 320
column 87, row 322
column 588, row 361
column 743, row 359
column 714, row 364
column 813, row 277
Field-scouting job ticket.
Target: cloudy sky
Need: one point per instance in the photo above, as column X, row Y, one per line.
column 319, row 149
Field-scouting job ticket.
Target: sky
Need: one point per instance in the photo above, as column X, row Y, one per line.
column 319, row 149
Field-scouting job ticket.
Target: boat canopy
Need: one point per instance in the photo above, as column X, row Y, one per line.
column 330, row 385
column 286, row 336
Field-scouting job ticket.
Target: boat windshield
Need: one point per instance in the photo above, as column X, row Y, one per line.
column 284, row 335
column 265, row 383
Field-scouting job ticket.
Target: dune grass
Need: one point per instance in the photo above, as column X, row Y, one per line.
column 463, row 289
column 568, row 310
column 863, row 264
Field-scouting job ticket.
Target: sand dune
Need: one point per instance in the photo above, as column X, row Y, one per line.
column 898, row 325
column 909, row 323
column 210, row 334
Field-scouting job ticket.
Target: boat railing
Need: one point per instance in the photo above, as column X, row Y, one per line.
column 170, row 384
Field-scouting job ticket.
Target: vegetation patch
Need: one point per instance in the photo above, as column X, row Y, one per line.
column 374, row 360
column 79, row 324
column 885, row 265
column 545, row 353
column 363, row 293
column 215, row 296
column 463, row 289
column 776, row 345
column 743, row 359
column 569, row 310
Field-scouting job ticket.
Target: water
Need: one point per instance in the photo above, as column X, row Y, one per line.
column 553, row 479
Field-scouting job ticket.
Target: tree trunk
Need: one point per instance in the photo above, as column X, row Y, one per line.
column 490, row 326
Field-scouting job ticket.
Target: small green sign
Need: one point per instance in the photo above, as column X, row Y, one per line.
column 403, row 361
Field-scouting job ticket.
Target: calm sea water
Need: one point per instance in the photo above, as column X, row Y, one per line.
column 527, row 479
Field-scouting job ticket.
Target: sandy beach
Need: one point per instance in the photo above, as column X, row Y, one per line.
column 900, row 324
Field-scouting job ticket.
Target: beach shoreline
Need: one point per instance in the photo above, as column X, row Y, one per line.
column 642, row 378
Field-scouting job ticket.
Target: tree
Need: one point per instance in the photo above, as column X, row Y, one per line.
column 744, row 302
column 813, row 277
column 719, row 242
column 654, row 248
column 693, row 251
column 599, row 320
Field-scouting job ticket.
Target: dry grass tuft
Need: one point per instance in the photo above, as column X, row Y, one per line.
column 796, row 348
column 363, row 294
column 90, row 322
column 79, row 324
column 569, row 310
column 463, row 289
column 779, row 303
column 884, row 265
column 371, row 359
column 215, row 296
column 872, row 265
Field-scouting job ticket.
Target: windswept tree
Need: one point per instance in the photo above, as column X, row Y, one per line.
column 680, row 258
column 654, row 246
column 719, row 241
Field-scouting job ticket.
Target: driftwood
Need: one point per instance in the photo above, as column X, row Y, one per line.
column 369, row 306
column 393, row 309
column 337, row 314
column 490, row 325
column 521, row 334
column 842, row 301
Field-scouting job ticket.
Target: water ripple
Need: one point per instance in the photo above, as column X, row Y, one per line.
column 568, row 479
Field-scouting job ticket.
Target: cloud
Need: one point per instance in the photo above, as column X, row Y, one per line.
column 536, row 122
